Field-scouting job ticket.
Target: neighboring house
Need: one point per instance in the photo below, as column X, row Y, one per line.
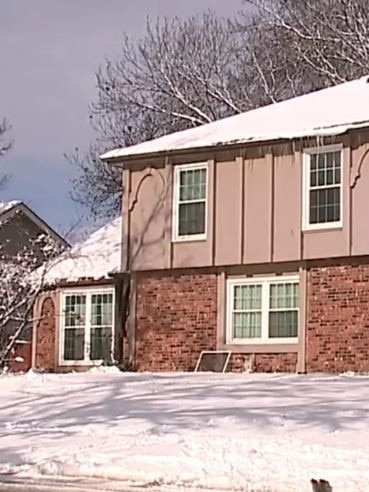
column 20, row 227
column 74, row 317
column 22, row 230
column 249, row 234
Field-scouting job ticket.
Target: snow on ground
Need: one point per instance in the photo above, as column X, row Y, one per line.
column 226, row 432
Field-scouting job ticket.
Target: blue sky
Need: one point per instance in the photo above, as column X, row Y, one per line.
column 50, row 51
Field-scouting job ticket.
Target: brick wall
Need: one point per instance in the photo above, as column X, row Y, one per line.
column 20, row 357
column 338, row 318
column 284, row 362
column 176, row 319
column 45, row 337
column 176, row 316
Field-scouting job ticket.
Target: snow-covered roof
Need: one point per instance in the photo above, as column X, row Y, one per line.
column 331, row 111
column 94, row 258
column 5, row 206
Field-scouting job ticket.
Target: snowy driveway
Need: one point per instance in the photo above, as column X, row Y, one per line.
column 66, row 484
column 184, row 431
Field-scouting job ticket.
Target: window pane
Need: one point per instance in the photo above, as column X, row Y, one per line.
column 321, row 162
column 247, row 325
column 192, row 185
column 313, row 162
column 330, row 160
column 321, row 178
column 313, row 178
column 191, row 218
column 75, row 310
column 102, row 309
column 325, row 205
column 283, row 324
column 247, row 297
column 337, row 175
column 325, row 169
column 283, row 296
column 101, row 343
column 74, row 342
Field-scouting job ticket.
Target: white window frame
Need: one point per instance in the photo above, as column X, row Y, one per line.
column 306, row 226
column 175, row 208
column 265, row 282
column 88, row 292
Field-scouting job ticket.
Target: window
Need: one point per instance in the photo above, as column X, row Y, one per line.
column 264, row 310
column 87, row 326
column 323, row 188
column 189, row 207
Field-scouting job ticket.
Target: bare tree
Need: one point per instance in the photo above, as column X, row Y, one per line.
column 179, row 75
column 19, row 287
column 187, row 72
column 5, row 146
column 328, row 40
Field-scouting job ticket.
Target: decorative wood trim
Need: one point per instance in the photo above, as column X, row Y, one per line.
column 132, row 320
column 241, row 164
column 126, row 183
column 245, row 173
column 148, row 173
column 299, row 162
column 347, row 197
column 301, row 353
column 356, row 168
column 221, row 309
column 270, row 161
column 211, row 210
column 168, row 212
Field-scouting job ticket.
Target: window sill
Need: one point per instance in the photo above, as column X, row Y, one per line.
column 261, row 348
column 189, row 239
column 323, row 227
column 83, row 363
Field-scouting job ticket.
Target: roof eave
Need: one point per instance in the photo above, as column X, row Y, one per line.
column 325, row 133
column 131, row 158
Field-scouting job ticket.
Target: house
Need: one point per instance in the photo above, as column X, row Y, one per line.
column 250, row 235
column 22, row 232
column 74, row 316
column 20, row 226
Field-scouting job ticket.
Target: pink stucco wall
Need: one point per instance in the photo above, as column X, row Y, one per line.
column 254, row 211
column 257, row 210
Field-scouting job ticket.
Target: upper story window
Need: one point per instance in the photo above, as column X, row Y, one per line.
column 322, row 188
column 87, row 326
column 263, row 310
column 190, row 202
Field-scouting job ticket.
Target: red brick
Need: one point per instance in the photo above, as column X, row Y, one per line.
column 45, row 337
column 284, row 362
column 338, row 318
column 176, row 317
column 176, row 320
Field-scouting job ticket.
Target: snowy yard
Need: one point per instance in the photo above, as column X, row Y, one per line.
column 227, row 432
